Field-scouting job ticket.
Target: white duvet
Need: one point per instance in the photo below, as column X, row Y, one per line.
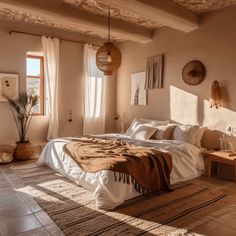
column 186, row 159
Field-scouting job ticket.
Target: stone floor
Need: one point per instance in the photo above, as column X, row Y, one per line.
column 21, row 215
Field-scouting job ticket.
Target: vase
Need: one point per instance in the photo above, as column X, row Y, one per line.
column 23, row 151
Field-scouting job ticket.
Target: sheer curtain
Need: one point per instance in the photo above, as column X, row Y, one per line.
column 51, row 66
column 94, row 102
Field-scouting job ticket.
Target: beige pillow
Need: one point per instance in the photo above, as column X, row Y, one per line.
column 198, row 138
column 164, row 132
column 185, row 133
column 143, row 132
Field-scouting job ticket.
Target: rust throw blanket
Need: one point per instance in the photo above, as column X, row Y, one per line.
column 147, row 169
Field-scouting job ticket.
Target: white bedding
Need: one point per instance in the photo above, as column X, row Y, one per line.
column 187, row 164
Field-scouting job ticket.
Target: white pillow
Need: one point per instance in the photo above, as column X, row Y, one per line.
column 143, row 132
column 155, row 122
column 186, row 133
column 164, row 132
column 136, row 122
column 199, row 135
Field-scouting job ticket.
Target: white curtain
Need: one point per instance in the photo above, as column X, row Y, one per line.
column 51, row 66
column 94, row 101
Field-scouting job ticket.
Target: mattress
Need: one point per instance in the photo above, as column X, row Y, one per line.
column 187, row 164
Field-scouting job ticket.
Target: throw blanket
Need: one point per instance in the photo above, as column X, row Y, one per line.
column 147, row 169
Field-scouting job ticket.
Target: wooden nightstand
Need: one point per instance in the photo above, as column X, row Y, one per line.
column 219, row 157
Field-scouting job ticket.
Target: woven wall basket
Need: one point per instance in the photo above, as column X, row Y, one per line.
column 215, row 98
column 101, row 58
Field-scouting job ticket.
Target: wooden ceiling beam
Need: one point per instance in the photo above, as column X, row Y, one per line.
column 66, row 16
column 165, row 12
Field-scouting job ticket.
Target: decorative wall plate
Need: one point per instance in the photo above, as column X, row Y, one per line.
column 193, row 73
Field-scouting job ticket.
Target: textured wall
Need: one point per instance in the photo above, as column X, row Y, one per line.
column 213, row 44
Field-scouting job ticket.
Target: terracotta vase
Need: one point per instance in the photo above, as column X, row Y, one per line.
column 23, row 151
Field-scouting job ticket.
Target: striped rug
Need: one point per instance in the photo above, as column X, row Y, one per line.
column 73, row 209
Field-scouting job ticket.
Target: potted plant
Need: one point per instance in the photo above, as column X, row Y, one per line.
column 21, row 110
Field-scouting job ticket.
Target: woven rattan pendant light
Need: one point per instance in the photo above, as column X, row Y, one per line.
column 215, row 98
column 108, row 57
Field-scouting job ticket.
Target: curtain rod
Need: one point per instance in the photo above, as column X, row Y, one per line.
column 61, row 39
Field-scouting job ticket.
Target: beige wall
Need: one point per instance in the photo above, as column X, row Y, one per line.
column 110, row 123
column 13, row 51
column 214, row 43
column 70, row 88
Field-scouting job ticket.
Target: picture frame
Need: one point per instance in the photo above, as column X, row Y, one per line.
column 138, row 91
column 9, row 86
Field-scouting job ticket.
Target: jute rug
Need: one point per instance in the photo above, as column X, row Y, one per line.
column 73, row 209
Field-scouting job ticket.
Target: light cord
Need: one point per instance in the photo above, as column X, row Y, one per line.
column 109, row 23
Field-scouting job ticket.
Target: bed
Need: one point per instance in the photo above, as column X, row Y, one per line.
column 187, row 163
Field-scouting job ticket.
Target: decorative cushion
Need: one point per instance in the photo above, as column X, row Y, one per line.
column 143, row 132
column 136, row 122
column 164, row 132
column 199, row 136
column 186, row 133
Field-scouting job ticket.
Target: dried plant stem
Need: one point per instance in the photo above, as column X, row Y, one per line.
column 21, row 111
column 16, row 121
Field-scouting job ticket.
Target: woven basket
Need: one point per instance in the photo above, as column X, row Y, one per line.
column 6, row 153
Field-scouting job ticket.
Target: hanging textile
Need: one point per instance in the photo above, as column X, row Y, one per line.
column 154, row 72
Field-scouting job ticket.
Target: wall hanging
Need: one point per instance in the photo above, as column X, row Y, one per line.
column 154, row 72
column 9, row 86
column 193, row 73
column 108, row 57
column 215, row 97
column 138, row 92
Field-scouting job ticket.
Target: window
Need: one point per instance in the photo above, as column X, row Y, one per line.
column 35, row 81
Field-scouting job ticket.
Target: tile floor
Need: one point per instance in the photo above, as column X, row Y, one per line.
column 224, row 225
column 19, row 213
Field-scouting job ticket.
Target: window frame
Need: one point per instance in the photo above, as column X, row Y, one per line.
column 41, row 78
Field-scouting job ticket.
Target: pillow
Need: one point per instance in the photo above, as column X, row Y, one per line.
column 155, row 122
column 164, row 132
column 136, row 122
column 199, row 135
column 185, row 133
column 143, row 132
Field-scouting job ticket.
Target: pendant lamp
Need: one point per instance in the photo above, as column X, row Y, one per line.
column 215, row 98
column 108, row 57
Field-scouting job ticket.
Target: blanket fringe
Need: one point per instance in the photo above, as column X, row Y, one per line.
column 128, row 179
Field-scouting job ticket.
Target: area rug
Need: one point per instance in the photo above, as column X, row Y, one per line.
column 73, row 208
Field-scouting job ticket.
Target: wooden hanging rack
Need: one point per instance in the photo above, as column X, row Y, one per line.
column 61, row 39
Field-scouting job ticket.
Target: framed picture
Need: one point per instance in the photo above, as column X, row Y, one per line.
column 9, row 86
column 138, row 92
